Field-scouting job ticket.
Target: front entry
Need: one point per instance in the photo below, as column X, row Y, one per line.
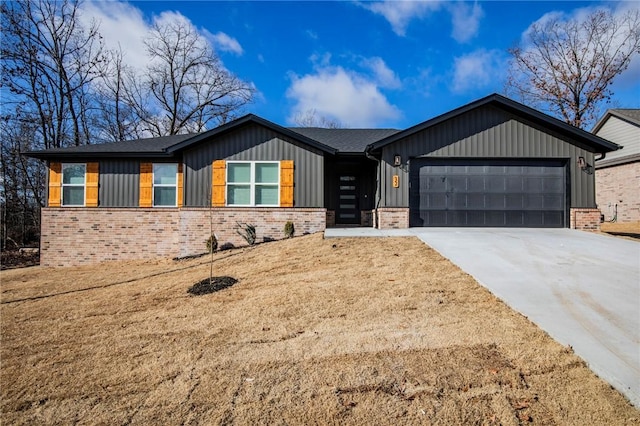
column 347, row 204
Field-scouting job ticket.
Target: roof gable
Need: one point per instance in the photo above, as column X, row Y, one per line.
column 591, row 140
column 629, row 115
column 249, row 118
column 169, row 146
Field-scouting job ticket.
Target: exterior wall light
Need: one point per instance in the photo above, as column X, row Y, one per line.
column 582, row 163
column 397, row 160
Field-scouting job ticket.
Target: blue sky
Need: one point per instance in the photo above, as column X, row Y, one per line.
column 365, row 64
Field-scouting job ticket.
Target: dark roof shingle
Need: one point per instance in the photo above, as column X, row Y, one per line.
column 345, row 140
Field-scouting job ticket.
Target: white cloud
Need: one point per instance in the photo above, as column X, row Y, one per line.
column 124, row 26
column 400, row 12
column 226, row 43
column 384, row 76
column 346, row 96
column 628, row 78
column 121, row 25
column 477, row 70
column 465, row 19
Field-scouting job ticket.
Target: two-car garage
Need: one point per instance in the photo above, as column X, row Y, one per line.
column 491, row 163
column 488, row 192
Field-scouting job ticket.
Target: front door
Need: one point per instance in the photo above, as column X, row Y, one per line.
column 348, row 210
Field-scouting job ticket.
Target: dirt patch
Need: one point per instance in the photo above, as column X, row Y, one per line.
column 211, row 285
column 373, row 331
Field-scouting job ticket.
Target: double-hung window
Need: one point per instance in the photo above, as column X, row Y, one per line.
column 165, row 185
column 253, row 183
column 73, row 184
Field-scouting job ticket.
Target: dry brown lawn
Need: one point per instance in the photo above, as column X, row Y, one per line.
column 338, row 331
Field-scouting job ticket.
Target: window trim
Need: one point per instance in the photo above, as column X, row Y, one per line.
column 163, row 185
column 63, row 185
column 252, row 183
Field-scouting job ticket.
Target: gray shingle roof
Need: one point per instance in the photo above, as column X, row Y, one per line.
column 631, row 114
column 124, row 148
column 345, row 140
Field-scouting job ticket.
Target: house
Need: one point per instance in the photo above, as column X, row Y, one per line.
column 493, row 162
column 618, row 173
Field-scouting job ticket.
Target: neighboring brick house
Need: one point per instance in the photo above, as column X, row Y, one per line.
column 618, row 173
column 493, row 162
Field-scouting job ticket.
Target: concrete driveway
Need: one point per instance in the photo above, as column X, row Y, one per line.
column 581, row 288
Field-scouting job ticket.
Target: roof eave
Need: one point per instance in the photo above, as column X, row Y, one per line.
column 508, row 104
column 43, row 155
column 249, row 118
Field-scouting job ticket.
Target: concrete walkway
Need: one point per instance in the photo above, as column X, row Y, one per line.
column 581, row 288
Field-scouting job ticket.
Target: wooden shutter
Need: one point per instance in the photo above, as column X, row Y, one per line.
column 286, row 183
column 91, row 182
column 146, row 184
column 55, row 189
column 180, row 185
column 218, row 183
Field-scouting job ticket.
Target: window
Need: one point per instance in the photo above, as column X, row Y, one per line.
column 73, row 184
column 251, row 183
column 165, row 185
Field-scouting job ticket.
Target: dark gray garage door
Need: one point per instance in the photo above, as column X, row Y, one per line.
column 501, row 193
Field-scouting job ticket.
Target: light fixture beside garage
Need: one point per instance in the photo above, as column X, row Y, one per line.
column 582, row 163
column 397, row 160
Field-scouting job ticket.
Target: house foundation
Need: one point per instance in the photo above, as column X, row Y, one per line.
column 81, row 236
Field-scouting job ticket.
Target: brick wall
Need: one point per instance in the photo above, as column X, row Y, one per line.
column 77, row 236
column 331, row 218
column 619, row 185
column 584, row 219
column 393, row 218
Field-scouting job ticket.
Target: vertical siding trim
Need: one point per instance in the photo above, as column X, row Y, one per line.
column 91, row 182
column 146, row 184
column 55, row 194
column 286, row 183
column 180, row 185
column 218, row 183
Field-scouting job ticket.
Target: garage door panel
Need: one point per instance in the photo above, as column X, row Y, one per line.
column 501, row 193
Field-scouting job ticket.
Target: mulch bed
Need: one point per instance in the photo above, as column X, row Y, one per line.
column 11, row 259
column 208, row 286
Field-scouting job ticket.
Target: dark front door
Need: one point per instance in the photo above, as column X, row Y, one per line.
column 348, row 210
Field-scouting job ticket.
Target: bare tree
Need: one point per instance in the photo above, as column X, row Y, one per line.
column 116, row 118
column 48, row 62
column 185, row 87
column 310, row 118
column 567, row 66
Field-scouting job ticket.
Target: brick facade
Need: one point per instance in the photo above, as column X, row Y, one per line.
column 392, row 218
column 77, row 236
column 585, row 219
column 619, row 185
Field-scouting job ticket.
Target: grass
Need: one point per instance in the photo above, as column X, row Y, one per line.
column 339, row 331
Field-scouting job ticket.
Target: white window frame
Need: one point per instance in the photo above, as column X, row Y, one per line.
column 63, row 185
column 155, row 185
column 252, row 184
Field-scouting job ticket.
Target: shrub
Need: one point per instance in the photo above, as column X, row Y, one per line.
column 289, row 230
column 248, row 232
column 212, row 244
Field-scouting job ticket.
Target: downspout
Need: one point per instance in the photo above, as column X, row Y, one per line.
column 378, row 185
column 603, row 154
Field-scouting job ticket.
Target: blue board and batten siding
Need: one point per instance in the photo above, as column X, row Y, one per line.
column 254, row 143
column 486, row 132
